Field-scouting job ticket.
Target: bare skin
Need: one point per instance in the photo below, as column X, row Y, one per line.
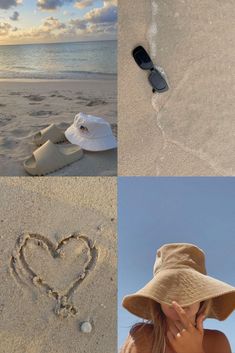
column 185, row 334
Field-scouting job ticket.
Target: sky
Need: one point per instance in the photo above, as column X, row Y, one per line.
column 155, row 211
column 52, row 21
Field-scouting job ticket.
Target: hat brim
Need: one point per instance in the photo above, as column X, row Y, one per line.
column 98, row 144
column 186, row 287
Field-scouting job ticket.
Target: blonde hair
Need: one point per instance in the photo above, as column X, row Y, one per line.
column 158, row 322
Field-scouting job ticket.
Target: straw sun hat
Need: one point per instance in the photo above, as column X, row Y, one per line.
column 179, row 274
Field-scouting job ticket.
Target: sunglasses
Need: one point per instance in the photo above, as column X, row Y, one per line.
column 144, row 61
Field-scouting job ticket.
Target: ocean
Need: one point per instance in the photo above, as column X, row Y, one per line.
column 81, row 60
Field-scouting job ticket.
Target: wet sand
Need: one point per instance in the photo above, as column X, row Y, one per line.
column 190, row 129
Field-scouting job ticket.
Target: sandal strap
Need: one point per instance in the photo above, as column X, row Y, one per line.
column 48, row 158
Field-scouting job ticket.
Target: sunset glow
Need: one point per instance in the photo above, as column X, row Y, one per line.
column 50, row 21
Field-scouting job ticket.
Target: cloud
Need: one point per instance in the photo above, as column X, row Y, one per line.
column 105, row 14
column 96, row 23
column 15, row 16
column 6, row 4
column 105, row 28
column 98, row 20
column 52, row 4
column 5, row 29
column 112, row 2
column 50, row 29
column 78, row 23
column 52, row 24
column 81, row 4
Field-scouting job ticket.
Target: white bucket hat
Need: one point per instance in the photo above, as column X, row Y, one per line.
column 91, row 133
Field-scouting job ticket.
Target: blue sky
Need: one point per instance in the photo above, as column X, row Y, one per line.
column 155, row 211
column 46, row 21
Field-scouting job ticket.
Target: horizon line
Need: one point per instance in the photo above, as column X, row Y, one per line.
column 81, row 41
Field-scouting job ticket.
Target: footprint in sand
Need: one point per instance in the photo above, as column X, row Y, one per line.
column 19, row 132
column 43, row 113
column 96, row 102
column 53, row 95
column 35, row 98
column 83, row 99
column 55, row 269
column 7, row 143
column 15, row 93
column 4, row 120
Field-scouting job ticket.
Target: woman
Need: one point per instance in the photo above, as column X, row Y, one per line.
column 176, row 302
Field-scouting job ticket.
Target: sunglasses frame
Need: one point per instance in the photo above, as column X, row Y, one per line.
column 144, row 61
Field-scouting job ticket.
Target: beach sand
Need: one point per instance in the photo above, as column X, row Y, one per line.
column 58, row 264
column 190, row 129
column 26, row 107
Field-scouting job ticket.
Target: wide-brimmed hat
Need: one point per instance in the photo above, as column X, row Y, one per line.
column 180, row 275
column 91, row 133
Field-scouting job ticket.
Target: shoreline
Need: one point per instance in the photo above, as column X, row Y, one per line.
column 55, row 43
column 35, row 80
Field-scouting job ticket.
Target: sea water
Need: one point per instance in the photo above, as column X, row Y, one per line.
column 81, row 60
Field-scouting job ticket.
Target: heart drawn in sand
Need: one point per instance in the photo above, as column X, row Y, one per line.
column 57, row 269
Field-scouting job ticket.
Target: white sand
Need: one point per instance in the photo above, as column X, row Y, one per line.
column 28, row 106
column 191, row 131
column 53, row 282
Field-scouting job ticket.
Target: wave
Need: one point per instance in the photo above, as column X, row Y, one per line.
column 24, row 68
column 60, row 75
column 87, row 72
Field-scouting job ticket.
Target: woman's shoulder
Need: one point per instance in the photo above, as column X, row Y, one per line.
column 139, row 340
column 141, row 328
column 216, row 341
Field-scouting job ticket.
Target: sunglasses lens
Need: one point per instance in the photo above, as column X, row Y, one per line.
column 142, row 58
column 157, row 81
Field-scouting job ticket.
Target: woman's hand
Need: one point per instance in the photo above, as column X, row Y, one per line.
column 183, row 336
